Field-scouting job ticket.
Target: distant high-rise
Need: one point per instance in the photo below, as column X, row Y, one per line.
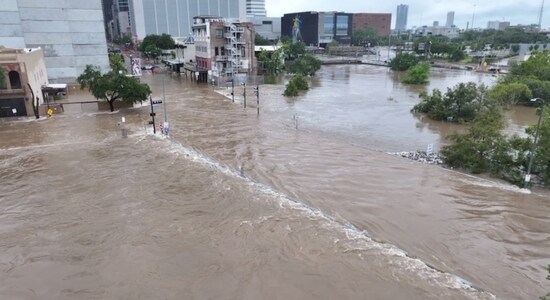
column 450, row 19
column 255, row 8
column 401, row 17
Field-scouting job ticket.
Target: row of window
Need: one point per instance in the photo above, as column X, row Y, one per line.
column 342, row 24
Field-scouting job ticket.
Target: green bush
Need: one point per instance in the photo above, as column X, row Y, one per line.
column 270, row 79
column 459, row 104
column 418, row 74
column 291, row 89
column 403, row 62
column 300, row 82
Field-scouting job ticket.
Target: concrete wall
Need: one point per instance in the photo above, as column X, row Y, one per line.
column 11, row 33
column 269, row 28
column 71, row 33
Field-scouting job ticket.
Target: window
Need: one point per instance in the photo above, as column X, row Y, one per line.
column 328, row 26
column 216, row 51
column 219, row 33
column 267, row 22
column 15, row 81
column 342, row 25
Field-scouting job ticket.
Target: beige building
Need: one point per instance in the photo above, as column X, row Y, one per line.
column 24, row 76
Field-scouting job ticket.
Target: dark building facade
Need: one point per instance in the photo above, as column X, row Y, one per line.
column 308, row 23
column 379, row 22
column 318, row 28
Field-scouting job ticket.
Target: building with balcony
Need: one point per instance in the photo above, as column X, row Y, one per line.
column 25, row 76
column 224, row 48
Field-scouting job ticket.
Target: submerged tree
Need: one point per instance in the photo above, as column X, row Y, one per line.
column 459, row 104
column 403, row 62
column 483, row 148
column 112, row 86
column 547, row 297
column 418, row 74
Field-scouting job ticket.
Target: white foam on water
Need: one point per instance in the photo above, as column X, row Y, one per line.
column 482, row 182
column 362, row 241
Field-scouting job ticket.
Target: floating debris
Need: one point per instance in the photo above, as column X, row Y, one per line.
column 420, row 156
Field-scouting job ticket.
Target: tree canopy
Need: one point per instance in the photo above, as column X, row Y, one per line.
column 112, row 86
column 403, row 61
column 163, row 42
column 483, row 148
column 418, row 74
column 459, row 104
column 261, row 41
column 364, row 36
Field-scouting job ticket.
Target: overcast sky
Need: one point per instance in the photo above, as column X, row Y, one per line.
column 424, row 12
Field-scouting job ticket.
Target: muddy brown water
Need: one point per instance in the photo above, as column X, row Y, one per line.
column 321, row 212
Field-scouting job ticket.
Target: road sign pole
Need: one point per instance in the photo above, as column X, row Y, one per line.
column 152, row 114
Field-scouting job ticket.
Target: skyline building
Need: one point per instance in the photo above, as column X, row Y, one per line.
column 401, row 17
column 450, row 19
column 176, row 17
column 70, row 32
column 255, row 8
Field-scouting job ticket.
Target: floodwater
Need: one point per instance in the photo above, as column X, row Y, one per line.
column 239, row 206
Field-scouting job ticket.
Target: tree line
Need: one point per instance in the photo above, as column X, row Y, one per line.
column 484, row 148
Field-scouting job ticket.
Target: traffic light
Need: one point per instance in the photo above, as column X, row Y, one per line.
column 256, row 90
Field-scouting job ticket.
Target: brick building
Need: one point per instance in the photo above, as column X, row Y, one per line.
column 381, row 22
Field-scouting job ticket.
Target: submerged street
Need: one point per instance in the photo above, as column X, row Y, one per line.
column 321, row 211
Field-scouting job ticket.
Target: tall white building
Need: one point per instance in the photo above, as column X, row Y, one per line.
column 401, row 17
column 450, row 19
column 70, row 32
column 255, row 8
column 175, row 17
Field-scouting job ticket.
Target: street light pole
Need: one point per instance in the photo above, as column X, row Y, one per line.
column 233, row 89
column 534, row 147
column 244, row 93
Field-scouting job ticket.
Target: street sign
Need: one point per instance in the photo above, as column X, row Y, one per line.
column 430, row 149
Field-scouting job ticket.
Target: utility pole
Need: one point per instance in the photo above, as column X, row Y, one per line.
column 257, row 93
column 166, row 125
column 233, row 89
column 153, row 114
column 244, row 93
